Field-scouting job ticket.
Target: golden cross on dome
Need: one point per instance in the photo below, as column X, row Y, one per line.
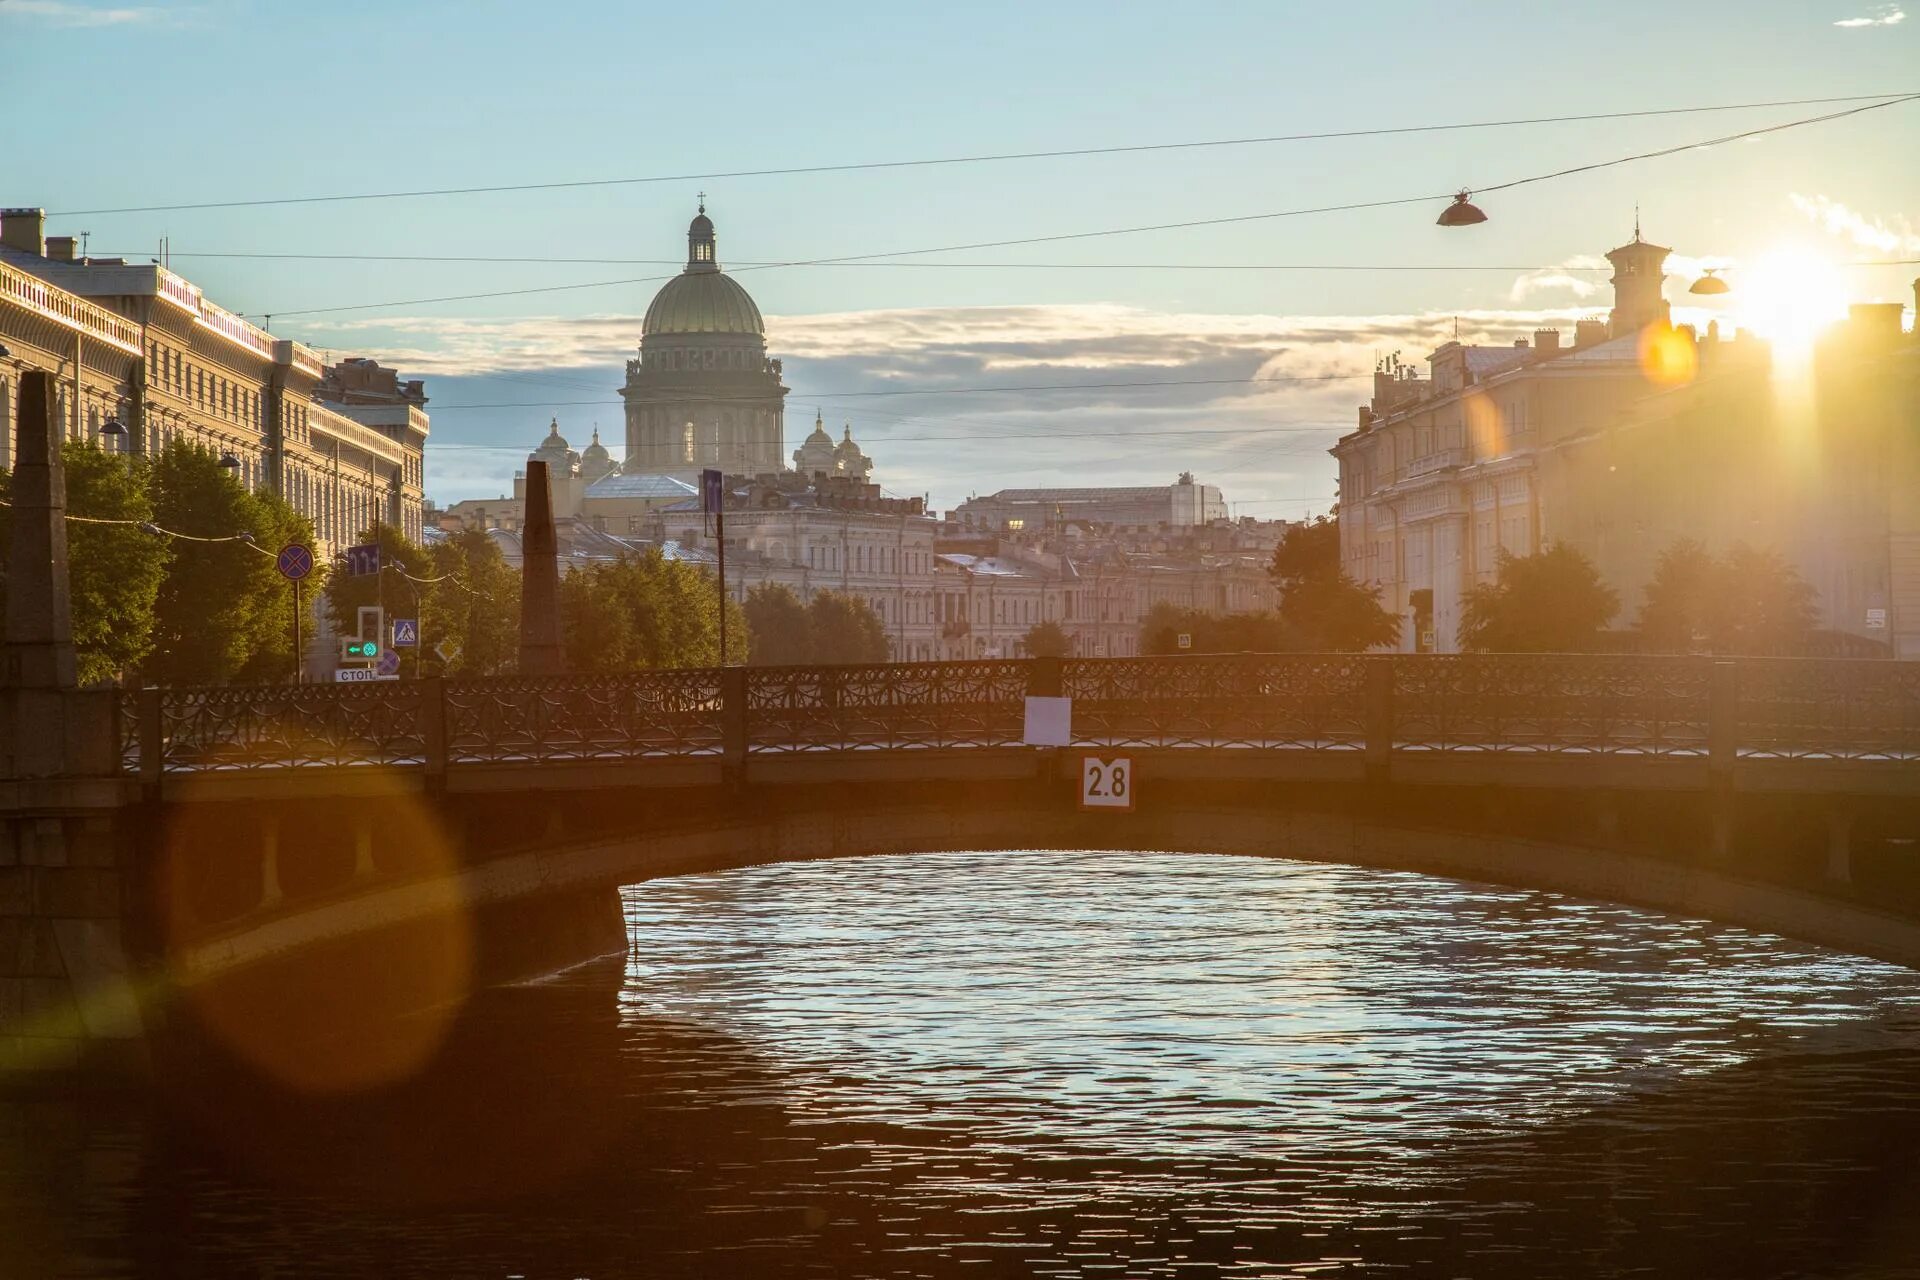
column 703, row 202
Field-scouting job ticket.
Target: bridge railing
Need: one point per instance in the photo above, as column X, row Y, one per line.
column 889, row 705
column 1567, row 703
column 1516, row 703
column 1313, row 701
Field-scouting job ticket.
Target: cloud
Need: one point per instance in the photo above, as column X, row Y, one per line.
column 63, row 13
column 1886, row 15
column 1249, row 402
column 1868, row 233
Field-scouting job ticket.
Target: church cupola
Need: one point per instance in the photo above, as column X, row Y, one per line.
column 1638, row 278
column 702, row 247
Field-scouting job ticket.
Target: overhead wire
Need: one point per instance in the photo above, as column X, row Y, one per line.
column 984, row 158
column 1187, row 224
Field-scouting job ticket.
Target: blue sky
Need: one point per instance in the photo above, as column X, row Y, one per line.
column 114, row 105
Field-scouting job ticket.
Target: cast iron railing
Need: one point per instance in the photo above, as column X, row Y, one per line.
column 1564, row 704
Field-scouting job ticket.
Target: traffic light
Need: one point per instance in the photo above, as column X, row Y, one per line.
column 359, row 650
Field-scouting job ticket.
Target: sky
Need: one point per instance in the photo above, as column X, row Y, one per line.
column 109, row 106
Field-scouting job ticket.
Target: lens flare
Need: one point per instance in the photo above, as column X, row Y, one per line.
column 1789, row 296
column 1667, row 356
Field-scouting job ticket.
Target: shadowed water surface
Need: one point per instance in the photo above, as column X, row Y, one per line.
column 1063, row 1065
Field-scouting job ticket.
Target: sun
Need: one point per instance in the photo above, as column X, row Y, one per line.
column 1789, row 295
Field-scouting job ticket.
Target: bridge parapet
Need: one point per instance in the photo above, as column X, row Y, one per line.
column 1386, row 706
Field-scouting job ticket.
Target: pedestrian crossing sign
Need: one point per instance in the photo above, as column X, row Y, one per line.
column 406, row 633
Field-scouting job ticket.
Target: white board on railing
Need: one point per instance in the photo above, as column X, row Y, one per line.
column 1049, row 722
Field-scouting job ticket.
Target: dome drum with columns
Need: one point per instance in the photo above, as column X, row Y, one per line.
column 703, row 392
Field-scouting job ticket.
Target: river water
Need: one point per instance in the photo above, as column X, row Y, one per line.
column 1045, row 1064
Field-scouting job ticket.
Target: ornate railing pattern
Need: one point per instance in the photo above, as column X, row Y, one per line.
column 1616, row 705
column 650, row 713
column 910, row 704
column 235, row 727
column 1316, row 701
column 1552, row 702
column 1857, row 709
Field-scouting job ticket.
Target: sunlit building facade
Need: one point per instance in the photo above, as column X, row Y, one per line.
column 138, row 346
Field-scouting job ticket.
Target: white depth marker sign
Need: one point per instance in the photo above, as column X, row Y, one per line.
column 1106, row 784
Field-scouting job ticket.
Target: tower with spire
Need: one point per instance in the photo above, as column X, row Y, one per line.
column 1638, row 278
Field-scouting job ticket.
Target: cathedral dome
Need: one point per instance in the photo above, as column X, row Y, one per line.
column 709, row 303
column 702, row 298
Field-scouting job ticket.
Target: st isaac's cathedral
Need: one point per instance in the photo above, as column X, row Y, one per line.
column 703, row 392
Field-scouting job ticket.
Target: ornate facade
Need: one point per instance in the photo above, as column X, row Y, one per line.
column 703, row 392
column 137, row 345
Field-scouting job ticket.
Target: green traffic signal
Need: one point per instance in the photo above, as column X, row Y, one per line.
column 363, row 648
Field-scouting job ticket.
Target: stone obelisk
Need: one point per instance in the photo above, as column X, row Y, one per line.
column 540, row 651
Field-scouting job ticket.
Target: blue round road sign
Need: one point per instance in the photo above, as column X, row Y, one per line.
column 294, row 561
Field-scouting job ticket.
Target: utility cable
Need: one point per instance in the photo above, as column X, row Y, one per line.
column 987, row 158
column 1188, row 224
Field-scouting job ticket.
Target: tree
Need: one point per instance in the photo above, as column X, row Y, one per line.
column 474, row 603
column 645, row 611
column 1047, row 640
column 114, row 570
column 1161, row 629
column 1553, row 602
column 1763, row 605
column 844, row 628
column 1746, row 601
column 220, row 596
column 1321, row 608
column 281, row 525
column 1673, row 617
column 779, row 627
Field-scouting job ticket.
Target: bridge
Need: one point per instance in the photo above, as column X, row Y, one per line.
column 283, row 867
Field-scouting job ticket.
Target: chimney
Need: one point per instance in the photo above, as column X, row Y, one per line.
column 61, row 249
column 1546, row 341
column 25, row 230
column 1587, row 333
column 1875, row 321
column 1916, row 307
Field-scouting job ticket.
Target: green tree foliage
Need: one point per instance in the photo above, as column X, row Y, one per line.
column 779, row 627
column 832, row 627
column 219, row 600
column 1047, row 640
column 645, row 611
column 1746, row 601
column 1161, row 629
column 1321, row 608
column 474, row 603
column 1553, row 602
column 280, row 525
column 844, row 628
column 114, row 570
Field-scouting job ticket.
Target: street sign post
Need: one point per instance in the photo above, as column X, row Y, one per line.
column 388, row 663
column 406, row 633
column 1106, row 784
column 448, row 651
column 359, row 675
column 295, row 562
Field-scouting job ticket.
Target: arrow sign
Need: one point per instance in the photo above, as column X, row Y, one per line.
column 406, row 633
column 363, row 559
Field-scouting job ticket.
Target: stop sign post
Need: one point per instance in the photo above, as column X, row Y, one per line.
column 295, row 562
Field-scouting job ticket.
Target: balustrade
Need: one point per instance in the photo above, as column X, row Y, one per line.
column 1386, row 706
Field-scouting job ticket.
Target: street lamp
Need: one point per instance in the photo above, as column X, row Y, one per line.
column 229, row 462
column 1710, row 283
column 1462, row 212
